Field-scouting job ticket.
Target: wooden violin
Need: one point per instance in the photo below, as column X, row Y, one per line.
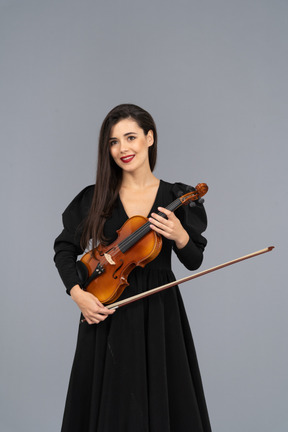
column 105, row 269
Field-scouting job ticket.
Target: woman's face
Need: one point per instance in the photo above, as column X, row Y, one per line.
column 129, row 145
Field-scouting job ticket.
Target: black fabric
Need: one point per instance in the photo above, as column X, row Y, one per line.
column 136, row 371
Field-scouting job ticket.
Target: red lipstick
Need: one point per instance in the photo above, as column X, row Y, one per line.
column 127, row 159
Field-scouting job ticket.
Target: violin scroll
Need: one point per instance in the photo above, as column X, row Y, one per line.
column 200, row 190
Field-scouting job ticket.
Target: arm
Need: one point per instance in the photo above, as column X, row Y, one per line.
column 67, row 249
column 185, row 228
column 188, row 252
column 92, row 309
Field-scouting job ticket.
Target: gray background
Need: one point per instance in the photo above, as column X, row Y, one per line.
column 214, row 76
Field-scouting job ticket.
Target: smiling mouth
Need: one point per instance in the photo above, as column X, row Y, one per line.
column 127, row 159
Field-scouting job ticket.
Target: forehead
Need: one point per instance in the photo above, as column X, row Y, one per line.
column 124, row 126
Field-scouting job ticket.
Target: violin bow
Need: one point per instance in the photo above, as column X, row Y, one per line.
column 136, row 297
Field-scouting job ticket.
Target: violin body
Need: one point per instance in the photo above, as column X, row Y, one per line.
column 104, row 270
column 116, row 265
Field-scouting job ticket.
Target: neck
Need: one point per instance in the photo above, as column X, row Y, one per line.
column 138, row 180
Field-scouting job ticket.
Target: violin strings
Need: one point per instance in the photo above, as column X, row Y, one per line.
column 126, row 243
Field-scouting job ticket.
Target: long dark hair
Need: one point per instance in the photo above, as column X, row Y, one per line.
column 109, row 174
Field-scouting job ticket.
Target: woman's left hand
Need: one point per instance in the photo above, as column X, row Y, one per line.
column 171, row 228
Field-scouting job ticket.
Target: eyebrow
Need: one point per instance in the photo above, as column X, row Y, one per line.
column 126, row 134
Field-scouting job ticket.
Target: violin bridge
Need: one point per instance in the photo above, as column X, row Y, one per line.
column 109, row 259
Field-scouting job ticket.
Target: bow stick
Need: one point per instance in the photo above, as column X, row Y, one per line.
column 185, row 279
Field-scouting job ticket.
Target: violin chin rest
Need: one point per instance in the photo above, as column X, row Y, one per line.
column 82, row 271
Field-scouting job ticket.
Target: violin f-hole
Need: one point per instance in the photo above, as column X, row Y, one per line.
column 118, row 268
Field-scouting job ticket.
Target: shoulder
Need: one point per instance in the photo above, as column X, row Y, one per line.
column 193, row 213
column 176, row 189
column 81, row 204
column 84, row 196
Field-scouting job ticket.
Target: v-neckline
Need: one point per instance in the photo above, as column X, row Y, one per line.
column 154, row 202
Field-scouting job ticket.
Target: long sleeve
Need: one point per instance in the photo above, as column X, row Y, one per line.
column 67, row 244
column 194, row 220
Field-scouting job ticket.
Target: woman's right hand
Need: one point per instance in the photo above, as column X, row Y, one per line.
column 92, row 309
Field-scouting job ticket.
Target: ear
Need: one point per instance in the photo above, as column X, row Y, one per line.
column 150, row 138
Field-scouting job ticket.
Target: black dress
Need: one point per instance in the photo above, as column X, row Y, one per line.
column 136, row 371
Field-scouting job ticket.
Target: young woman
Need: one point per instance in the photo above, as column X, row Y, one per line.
column 135, row 369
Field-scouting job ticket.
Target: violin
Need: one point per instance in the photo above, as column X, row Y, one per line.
column 105, row 269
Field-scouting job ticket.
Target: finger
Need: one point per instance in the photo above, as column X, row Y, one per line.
column 170, row 215
column 156, row 217
column 103, row 309
column 102, row 315
column 99, row 318
column 161, row 231
column 95, row 319
column 164, row 226
column 170, row 221
column 165, row 211
column 159, row 218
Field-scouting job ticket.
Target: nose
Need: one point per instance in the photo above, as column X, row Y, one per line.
column 123, row 146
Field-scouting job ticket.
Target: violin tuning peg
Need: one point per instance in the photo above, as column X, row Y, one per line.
column 194, row 203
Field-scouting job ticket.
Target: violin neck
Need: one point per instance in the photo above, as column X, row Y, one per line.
column 144, row 229
column 172, row 207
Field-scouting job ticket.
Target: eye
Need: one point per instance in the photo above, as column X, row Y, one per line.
column 113, row 142
column 131, row 138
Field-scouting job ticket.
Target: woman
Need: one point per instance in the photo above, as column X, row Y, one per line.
column 134, row 369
